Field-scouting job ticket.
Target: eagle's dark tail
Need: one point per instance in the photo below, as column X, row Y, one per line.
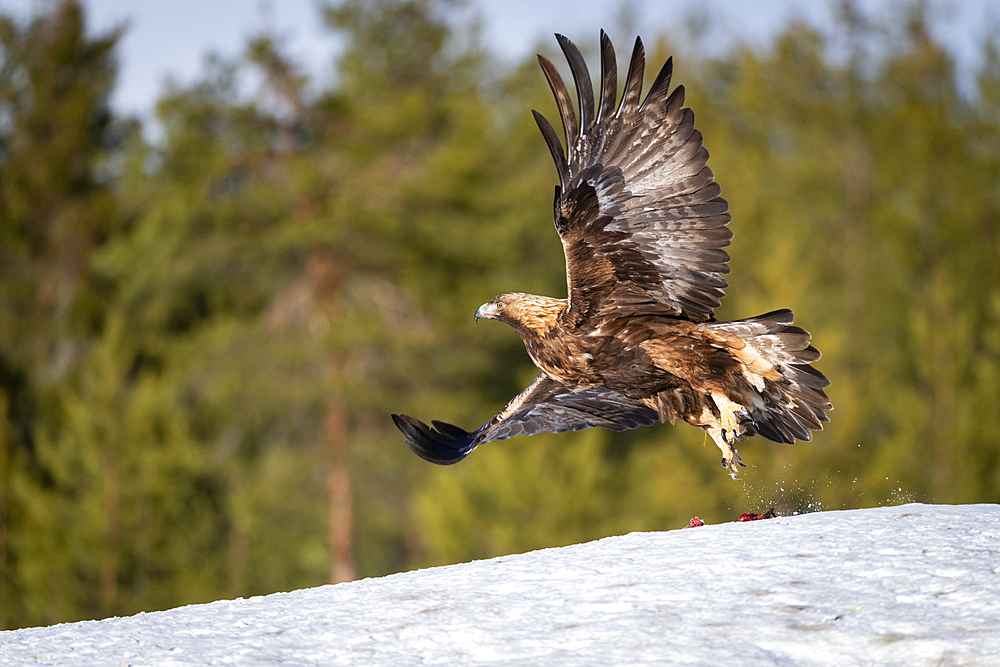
column 792, row 403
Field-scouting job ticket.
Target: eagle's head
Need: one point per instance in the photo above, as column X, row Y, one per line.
column 522, row 311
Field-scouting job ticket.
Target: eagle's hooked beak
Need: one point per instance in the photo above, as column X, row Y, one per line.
column 487, row 310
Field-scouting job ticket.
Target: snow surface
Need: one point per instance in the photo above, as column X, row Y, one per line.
column 908, row 585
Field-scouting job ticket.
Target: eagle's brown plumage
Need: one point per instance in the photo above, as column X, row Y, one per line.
column 643, row 229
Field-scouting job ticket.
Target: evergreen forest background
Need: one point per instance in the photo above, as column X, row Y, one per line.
column 202, row 336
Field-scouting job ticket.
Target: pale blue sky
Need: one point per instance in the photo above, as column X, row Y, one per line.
column 171, row 37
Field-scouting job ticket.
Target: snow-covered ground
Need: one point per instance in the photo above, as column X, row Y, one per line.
column 908, row 585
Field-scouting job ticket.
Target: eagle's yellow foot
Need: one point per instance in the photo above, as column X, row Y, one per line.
column 734, row 418
column 730, row 457
column 733, row 422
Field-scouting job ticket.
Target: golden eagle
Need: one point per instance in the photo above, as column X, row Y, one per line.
column 643, row 229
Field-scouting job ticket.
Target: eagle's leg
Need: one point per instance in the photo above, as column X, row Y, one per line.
column 732, row 424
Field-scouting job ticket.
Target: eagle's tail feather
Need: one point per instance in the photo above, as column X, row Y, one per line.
column 793, row 403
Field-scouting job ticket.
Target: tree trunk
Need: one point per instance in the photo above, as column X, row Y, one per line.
column 341, row 527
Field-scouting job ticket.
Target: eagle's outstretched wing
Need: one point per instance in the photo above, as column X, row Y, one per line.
column 638, row 211
column 545, row 406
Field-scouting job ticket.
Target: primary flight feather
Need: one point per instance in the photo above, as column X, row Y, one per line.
column 643, row 229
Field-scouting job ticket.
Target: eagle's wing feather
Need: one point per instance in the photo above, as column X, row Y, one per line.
column 637, row 208
column 545, row 406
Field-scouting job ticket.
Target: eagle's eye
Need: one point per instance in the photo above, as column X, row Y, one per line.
column 499, row 305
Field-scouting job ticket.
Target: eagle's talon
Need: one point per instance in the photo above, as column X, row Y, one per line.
column 731, row 437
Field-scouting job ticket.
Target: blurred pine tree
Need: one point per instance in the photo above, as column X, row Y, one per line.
column 55, row 211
